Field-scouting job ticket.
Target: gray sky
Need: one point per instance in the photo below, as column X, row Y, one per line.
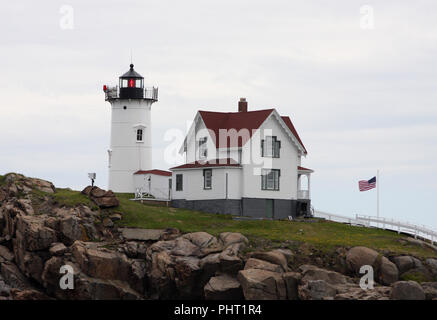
column 361, row 99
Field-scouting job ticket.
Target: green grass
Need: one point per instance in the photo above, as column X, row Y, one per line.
column 419, row 277
column 2, row 179
column 72, row 198
column 323, row 235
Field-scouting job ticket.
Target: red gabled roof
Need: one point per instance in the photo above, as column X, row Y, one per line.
column 225, row 162
column 155, row 171
column 304, row 169
column 290, row 125
column 250, row 120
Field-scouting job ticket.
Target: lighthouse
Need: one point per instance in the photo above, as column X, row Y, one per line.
column 130, row 148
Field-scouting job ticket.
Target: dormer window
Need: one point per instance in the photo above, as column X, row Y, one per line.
column 203, row 150
column 139, row 135
column 270, row 147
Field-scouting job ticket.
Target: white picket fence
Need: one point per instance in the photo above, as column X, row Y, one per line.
column 383, row 223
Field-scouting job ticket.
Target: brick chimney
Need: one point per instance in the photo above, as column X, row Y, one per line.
column 242, row 105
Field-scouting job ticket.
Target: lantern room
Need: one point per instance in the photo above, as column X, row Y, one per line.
column 131, row 85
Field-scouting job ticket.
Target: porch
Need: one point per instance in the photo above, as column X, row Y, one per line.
column 304, row 183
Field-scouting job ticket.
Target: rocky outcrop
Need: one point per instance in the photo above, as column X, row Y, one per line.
column 183, row 266
column 102, row 198
column 38, row 237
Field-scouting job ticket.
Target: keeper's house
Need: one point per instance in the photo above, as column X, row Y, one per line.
column 245, row 163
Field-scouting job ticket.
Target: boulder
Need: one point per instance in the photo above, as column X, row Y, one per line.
column 115, row 217
column 33, row 234
column 71, row 229
column 407, row 290
column 102, row 198
column 432, row 263
column 31, row 263
column 134, row 234
column 275, row 257
column 187, row 277
column 210, row 264
column 253, row 263
column 29, row 294
column 292, row 280
column 6, row 254
column 101, row 263
column 360, row 256
column 137, row 278
column 85, row 287
column 87, row 190
column 57, row 249
column 430, row 289
column 388, row 272
column 223, row 287
column 89, row 288
column 13, row 276
column 260, row 284
column 107, row 223
column 228, row 238
column 202, row 240
column 4, row 288
column 3, row 196
column 26, row 206
column 385, row 270
column 404, row 263
column 311, row 273
column 42, row 185
column 317, row 290
column 184, row 247
column 230, row 262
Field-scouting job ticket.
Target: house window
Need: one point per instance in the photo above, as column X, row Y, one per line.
column 139, row 134
column 270, row 179
column 240, row 156
column 270, row 147
column 207, row 179
column 203, row 151
column 179, row 182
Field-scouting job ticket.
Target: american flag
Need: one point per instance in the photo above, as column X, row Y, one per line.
column 365, row 185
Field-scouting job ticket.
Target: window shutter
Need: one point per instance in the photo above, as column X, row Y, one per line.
column 262, row 148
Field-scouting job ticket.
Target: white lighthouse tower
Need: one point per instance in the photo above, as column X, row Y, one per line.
column 131, row 137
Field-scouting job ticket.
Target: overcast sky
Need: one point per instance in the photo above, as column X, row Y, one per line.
column 361, row 98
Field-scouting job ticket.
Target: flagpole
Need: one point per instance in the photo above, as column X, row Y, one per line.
column 377, row 195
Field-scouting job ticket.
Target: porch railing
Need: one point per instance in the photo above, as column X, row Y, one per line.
column 303, row 194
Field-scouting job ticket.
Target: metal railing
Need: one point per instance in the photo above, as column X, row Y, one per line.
column 160, row 194
column 382, row 223
column 400, row 226
column 150, row 93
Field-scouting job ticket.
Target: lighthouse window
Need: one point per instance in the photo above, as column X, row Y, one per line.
column 124, row 83
column 140, row 135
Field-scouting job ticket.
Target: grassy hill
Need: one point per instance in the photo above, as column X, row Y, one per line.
column 323, row 235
